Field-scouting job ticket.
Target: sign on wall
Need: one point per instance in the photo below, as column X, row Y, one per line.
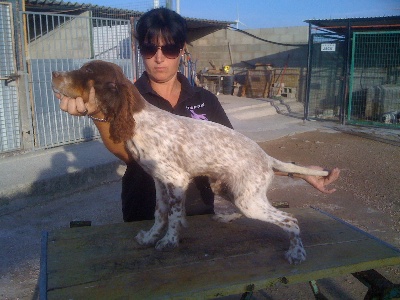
column 328, row 47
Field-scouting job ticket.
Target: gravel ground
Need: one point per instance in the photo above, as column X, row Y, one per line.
column 368, row 197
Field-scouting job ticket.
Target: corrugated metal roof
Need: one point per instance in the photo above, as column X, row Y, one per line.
column 61, row 7
column 359, row 24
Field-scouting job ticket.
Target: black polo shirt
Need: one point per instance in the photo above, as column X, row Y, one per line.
column 193, row 102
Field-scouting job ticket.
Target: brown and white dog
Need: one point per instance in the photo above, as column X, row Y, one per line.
column 175, row 149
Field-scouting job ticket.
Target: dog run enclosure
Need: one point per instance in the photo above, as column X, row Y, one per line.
column 46, row 43
column 64, row 42
column 354, row 71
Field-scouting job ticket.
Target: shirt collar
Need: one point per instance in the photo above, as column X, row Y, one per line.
column 144, row 87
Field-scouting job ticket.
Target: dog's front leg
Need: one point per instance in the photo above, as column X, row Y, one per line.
column 176, row 218
column 160, row 217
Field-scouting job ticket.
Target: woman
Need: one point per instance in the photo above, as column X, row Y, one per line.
column 162, row 36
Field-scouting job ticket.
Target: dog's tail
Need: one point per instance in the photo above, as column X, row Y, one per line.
column 292, row 168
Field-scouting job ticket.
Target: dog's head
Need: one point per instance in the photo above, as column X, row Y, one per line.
column 116, row 96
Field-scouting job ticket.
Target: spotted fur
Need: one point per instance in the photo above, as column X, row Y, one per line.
column 175, row 149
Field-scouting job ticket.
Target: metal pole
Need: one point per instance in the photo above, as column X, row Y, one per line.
column 346, row 75
column 133, row 50
column 309, row 70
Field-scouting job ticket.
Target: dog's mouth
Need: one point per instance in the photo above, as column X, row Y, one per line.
column 57, row 82
column 62, row 92
column 60, row 85
column 56, row 90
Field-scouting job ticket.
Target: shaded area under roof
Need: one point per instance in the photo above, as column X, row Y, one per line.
column 340, row 26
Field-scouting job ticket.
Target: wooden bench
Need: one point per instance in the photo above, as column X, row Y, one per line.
column 214, row 259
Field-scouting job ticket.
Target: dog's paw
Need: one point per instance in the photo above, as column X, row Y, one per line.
column 167, row 244
column 145, row 239
column 296, row 255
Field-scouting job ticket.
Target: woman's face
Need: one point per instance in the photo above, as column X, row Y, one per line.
column 161, row 68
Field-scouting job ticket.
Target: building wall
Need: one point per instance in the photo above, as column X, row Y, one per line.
column 70, row 40
column 230, row 47
column 243, row 52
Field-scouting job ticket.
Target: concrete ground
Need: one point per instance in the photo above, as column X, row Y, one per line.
column 45, row 190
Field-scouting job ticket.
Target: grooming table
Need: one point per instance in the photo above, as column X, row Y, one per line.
column 214, row 259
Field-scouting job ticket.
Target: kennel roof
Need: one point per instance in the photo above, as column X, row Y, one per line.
column 341, row 26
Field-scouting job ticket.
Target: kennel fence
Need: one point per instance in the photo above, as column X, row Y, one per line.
column 64, row 42
column 374, row 94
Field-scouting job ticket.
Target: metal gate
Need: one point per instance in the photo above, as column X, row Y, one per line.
column 10, row 128
column 326, row 77
column 57, row 42
column 374, row 96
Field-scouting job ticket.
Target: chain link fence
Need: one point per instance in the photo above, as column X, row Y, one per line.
column 374, row 96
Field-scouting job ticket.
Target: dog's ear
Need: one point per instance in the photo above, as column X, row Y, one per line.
column 128, row 102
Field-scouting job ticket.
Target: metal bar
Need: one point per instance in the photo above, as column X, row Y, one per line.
column 351, row 77
column 346, row 76
column 316, row 291
column 133, row 48
column 309, row 71
column 248, row 295
column 378, row 286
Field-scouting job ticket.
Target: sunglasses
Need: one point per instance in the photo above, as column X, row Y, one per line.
column 170, row 50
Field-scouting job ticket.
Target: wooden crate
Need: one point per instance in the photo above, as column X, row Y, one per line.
column 258, row 83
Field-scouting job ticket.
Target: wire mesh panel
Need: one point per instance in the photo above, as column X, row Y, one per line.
column 326, row 76
column 10, row 135
column 375, row 79
column 66, row 42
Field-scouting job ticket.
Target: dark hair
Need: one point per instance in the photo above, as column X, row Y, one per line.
column 164, row 23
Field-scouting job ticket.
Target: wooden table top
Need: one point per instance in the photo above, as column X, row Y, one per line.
column 214, row 259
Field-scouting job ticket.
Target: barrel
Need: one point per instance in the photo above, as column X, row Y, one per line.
column 227, row 85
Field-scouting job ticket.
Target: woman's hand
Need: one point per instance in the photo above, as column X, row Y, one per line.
column 321, row 182
column 77, row 107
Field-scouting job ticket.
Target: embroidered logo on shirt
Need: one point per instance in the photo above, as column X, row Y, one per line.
column 194, row 115
column 198, row 116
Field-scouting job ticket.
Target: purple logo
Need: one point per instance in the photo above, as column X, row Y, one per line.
column 197, row 116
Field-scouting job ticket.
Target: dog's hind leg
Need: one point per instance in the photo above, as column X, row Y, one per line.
column 259, row 208
column 160, row 217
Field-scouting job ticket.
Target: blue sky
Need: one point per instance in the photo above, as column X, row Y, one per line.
column 271, row 13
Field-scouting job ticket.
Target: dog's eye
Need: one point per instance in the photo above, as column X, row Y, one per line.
column 88, row 70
